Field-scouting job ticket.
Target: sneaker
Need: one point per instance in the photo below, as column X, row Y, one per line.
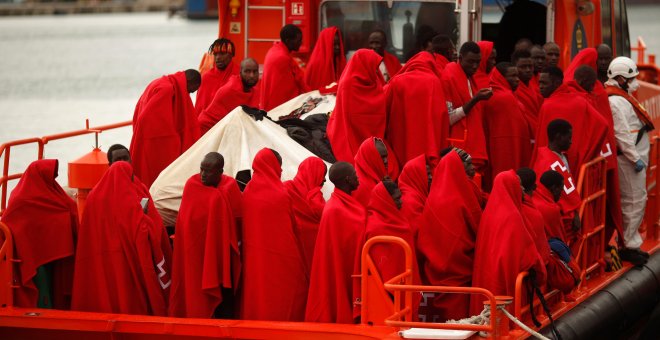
column 632, row 256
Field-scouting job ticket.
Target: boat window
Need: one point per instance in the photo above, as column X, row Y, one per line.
column 606, row 18
column 404, row 23
column 493, row 10
column 622, row 33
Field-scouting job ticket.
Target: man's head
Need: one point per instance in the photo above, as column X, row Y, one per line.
column 551, row 54
column 382, row 150
column 624, row 71
column 549, row 80
column 394, row 191
column 291, row 37
column 193, row 80
column 278, row 156
column 492, row 61
column 344, row 177
column 223, row 51
column 211, row 169
column 469, row 57
column 378, row 42
column 560, row 135
column 249, row 73
column 523, row 44
column 538, row 57
column 443, row 45
column 523, row 61
column 554, row 182
column 604, row 60
column 527, row 180
column 585, row 76
column 118, row 152
column 510, row 73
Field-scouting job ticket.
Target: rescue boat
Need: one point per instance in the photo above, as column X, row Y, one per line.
column 603, row 303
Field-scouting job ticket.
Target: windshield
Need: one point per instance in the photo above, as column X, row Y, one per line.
column 408, row 25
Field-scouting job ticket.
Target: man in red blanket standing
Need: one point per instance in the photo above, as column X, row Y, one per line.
column 223, row 51
column 391, row 64
column 283, row 79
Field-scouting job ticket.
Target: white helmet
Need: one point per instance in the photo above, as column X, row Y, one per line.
column 622, row 66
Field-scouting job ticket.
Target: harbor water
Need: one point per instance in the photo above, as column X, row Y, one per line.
column 57, row 71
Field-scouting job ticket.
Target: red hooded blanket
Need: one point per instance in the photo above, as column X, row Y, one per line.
column 307, row 202
column 323, row 68
column 123, row 257
column 530, row 99
column 551, row 212
column 206, row 257
column 225, row 100
column 440, row 61
column 212, row 81
column 447, row 235
column 338, row 246
column 360, row 108
column 43, row 221
column 504, row 247
column 507, row 133
column 282, row 79
column 414, row 185
column 417, row 120
column 370, row 169
column 457, row 94
column 274, row 274
column 482, row 78
column 536, row 228
column 164, row 126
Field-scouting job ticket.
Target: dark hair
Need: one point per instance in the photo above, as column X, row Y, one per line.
column 584, row 72
column 469, row 46
column 216, row 157
column 114, row 148
column 520, row 54
column 555, row 73
column 390, row 185
column 558, row 127
column 527, row 177
column 381, row 33
column 289, row 31
column 503, row 67
column 224, row 45
column 440, row 41
column 193, row 75
column 551, row 178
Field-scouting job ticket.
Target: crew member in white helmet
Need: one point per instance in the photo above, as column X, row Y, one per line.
column 631, row 127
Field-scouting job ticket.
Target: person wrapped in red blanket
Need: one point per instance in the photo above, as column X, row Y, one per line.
column 488, row 61
column 275, row 277
column 240, row 89
column 528, row 95
column 206, row 265
column 307, row 202
column 414, row 182
column 332, row 288
column 446, row 238
column 223, row 51
column 373, row 162
column 123, row 256
column 360, row 108
column 327, row 61
column 504, row 247
column 282, row 79
column 164, row 124
column 533, row 217
column 43, row 221
column 391, row 64
column 417, row 121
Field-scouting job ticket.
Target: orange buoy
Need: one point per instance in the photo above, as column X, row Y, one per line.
column 85, row 172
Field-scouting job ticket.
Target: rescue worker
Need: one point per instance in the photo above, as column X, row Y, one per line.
column 631, row 126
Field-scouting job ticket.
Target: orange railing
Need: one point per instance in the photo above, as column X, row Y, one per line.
column 6, row 267
column 652, row 215
column 5, row 152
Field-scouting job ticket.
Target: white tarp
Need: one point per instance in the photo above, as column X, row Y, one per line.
column 238, row 137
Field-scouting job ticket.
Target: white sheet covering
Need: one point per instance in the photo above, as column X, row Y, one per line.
column 238, row 138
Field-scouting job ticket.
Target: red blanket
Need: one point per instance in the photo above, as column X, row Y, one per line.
column 206, row 256
column 589, row 128
column 536, row 228
column 417, row 120
column 440, row 61
column 233, row 194
column 323, row 68
column 446, row 236
column 530, row 99
column 392, row 64
column 43, row 221
column 164, row 126
column 212, row 81
column 360, row 108
column 339, row 244
column 504, row 247
column 414, row 185
column 307, row 202
column 370, row 169
column 274, row 274
column 547, row 160
column 455, row 84
column 227, row 98
column 282, row 79
column 507, row 133
column 482, row 78
column 550, row 211
column 123, row 256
